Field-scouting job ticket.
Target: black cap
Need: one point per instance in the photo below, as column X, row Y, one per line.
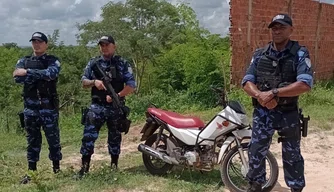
column 39, row 36
column 106, row 39
column 283, row 19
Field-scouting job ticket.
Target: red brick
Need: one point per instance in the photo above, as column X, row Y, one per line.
column 306, row 23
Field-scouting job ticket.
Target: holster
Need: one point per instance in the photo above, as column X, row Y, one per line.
column 21, row 116
column 84, row 111
column 124, row 122
column 55, row 102
column 303, row 123
column 124, row 125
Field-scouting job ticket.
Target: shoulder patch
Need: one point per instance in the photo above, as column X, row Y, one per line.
column 308, row 62
column 302, row 50
column 301, row 53
column 57, row 63
column 130, row 69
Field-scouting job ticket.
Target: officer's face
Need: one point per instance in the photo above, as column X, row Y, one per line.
column 107, row 49
column 39, row 46
column 281, row 33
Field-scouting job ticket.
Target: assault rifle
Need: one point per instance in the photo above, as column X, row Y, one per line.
column 124, row 110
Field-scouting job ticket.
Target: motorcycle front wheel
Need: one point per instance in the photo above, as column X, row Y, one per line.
column 233, row 172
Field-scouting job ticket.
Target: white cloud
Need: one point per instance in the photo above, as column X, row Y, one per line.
column 20, row 18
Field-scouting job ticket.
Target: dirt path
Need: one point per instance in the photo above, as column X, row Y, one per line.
column 317, row 150
column 318, row 153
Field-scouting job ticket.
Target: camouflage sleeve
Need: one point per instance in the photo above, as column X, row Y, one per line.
column 128, row 74
column 251, row 70
column 88, row 71
column 304, row 67
column 20, row 64
column 51, row 73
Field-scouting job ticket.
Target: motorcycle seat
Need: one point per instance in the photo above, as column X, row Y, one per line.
column 177, row 120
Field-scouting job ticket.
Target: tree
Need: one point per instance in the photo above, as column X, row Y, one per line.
column 10, row 45
column 165, row 43
column 53, row 40
column 142, row 28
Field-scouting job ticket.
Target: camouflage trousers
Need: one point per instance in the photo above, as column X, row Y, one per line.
column 96, row 116
column 265, row 122
column 48, row 120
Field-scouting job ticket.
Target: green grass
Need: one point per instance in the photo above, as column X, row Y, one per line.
column 132, row 176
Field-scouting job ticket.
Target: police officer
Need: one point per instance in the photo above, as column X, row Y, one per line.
column 101, row 109
column 39, row 73
column 277, row 75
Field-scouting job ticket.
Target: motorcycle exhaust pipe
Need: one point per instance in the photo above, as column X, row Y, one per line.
column 152, row 152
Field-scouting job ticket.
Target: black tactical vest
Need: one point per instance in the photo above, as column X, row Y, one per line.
column 117, row 80
column 272, row 72
column 41, row 88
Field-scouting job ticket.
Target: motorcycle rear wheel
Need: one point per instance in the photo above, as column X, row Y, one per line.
column 233, row 186
column 148, row 160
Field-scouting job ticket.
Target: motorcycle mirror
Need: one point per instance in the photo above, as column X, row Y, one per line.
column 152, row 105
column 222, row 97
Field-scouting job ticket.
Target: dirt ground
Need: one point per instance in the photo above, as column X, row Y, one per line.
column 317, row 150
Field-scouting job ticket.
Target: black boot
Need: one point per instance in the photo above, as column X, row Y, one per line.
column 85, row 161
column 114, row 162
column 296, row 190
column 55, row 166
column 32, row 166
column 254, row 187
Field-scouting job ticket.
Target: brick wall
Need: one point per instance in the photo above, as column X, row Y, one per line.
column 314, row 28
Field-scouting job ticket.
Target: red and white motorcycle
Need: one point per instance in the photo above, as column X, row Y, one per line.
column 173, row 139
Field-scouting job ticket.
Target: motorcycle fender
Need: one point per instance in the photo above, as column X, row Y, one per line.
column 148, row 130
column 240, row 134
column 224, row 147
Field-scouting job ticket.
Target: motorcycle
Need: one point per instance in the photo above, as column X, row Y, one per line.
column 173, row 139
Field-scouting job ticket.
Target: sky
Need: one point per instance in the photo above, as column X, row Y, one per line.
column 20, row 18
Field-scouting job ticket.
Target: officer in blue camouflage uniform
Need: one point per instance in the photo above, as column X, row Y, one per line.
column 39, row 73
column 277, row 75
column 101, row 109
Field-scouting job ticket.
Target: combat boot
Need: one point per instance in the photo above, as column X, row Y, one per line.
column 114, row 162
column 55, row 166
column 32, row 166
column 85, row 161
column 296, row 190
column 254, row 187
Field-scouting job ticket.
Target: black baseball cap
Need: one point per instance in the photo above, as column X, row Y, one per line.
column 39, row 36
column 106, row 39
column 283, row 19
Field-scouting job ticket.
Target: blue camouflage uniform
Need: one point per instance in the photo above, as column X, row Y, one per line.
column 42, row 110
column 100, row 111
column 286, row 122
